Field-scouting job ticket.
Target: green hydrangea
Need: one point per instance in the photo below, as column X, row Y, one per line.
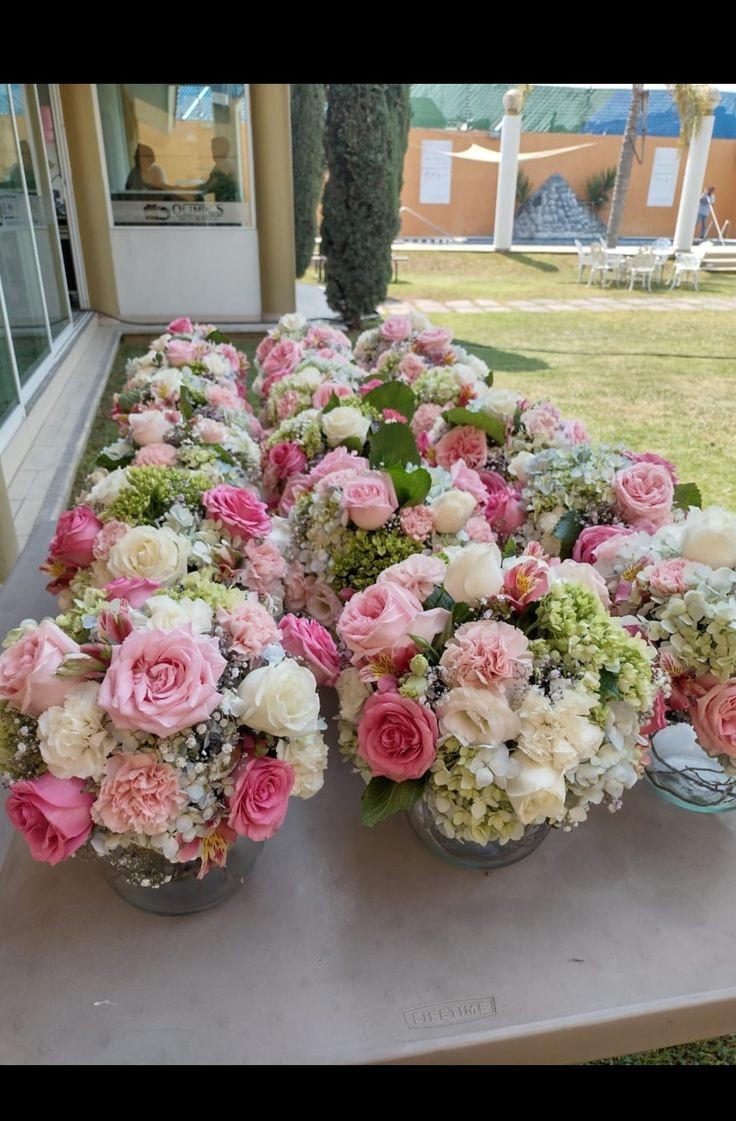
column 578, row 636
column 193, row 456
column 87, row 601
column 437, row 386
column 363, row 556
column 203, row 585
column 576, row 478
column 466, row 806
column 304, row 429
column 151, row 491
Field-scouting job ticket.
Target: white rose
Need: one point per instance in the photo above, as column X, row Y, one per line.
column 217, row 365
column 477, row 716
column 344, row 423
column 280, row 699
column 293, row 323
column 308, row 757
column 105, row 491
column 573, row 572
column 451, row 510
column 518, row 466
column 353, row 694
column 160, row 555
column 308, row 378
column 537, row 793
column 474, row 572
column 419, row 321
column 167, row 384
column 501, row 403
column 166, row 614
column 73, row 739
column 559, row 733
column 149, row 427
column 710, row 537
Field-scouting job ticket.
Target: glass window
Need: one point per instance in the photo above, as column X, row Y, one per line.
column 177, row 155
column 8, row 393
column 21, row 285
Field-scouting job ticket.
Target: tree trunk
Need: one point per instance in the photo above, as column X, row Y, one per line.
column 623, row 172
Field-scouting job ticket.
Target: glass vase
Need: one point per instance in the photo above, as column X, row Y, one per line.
column 183, row 893
column 685, row 775
column 466, row 854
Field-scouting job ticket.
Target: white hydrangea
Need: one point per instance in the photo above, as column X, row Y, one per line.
column 165, row 614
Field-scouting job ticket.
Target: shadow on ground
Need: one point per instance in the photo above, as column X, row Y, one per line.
column 504, row 360
column 523, row 259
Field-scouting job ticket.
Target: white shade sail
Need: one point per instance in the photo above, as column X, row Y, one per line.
column 487, row 155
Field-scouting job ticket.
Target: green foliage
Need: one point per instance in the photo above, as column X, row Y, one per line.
column 382, row 798
column 598, row 188
column 365, row 141
column 308, row 164
column 152, row 491
column 393, row 445
column 393, row 395
column 524, row 188
column 411, row 487
column 362, row 559
column 687, row 495
column 567, row 531
column 491, row 425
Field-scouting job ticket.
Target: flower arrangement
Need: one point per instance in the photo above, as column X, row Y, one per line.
column 199, row 348
column 500, row 692
column 173, row 728
column 291, row 341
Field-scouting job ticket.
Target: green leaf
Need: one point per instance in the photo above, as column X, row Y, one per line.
column 393, row 445
column 224, row 455
column 128, row 398
column 491, row 425
column 333, row 403
column 439, row 598
column 186, row 405
column 687, row 495
column 353, row 444
column 110, row 463
column 217, row 337
column 411, row 487
column 461, row 612
column 509, row 549
column 567, row 532
column 382, row 798
column 393, row 395
column 609, row 690
column 426, row 648
column 489, row 379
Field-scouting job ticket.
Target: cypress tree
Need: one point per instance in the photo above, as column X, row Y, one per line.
column 365, row 140
column 308, row 161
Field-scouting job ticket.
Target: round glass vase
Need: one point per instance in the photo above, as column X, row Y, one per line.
column 685, row 775
column 183, row 893
column 466, row 854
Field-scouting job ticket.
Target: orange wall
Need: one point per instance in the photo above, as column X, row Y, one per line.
column 472, row 205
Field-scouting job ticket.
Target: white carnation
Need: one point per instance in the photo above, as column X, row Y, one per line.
column 74, row 739
column 308, row 757
column 166, row 614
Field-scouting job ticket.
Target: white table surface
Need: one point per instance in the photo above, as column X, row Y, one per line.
column 616, row 936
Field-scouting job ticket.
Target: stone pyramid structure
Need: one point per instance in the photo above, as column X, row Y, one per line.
column 554, row 212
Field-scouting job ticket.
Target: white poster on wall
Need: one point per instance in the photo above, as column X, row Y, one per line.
column 664, row 177
column 435, row 179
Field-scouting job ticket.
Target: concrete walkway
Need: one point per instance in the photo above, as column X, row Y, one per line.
column 668, row 301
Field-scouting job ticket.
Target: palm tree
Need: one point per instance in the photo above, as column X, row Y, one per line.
column 623, row 171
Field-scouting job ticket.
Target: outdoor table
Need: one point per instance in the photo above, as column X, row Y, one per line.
column 356, row 945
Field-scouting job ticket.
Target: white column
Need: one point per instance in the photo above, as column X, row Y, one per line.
column 694, row 183
column 503, row 226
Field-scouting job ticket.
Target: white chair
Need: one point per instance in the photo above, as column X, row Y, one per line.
column 686, row 264
column 601, row 264
column 662, row 251
column 642, row 266
column 584, row 258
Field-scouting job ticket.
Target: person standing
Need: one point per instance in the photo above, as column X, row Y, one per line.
column 707, row 199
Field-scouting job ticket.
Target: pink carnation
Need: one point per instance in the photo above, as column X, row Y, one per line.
column 397, row 737
column 240, row 511
column 417, row 522
column 162, row 681
column 156, row 455
column 308, row 639
column 424, row 418
column 411, row 367
column 209, row 431
column 222, row 396
column 667, row 578
column 644, row 494
column 260, row 799
column 288, row 404
column 478, row 529
column 250, row 628
column 28, row 668
column 263, row 566
column 418, row 574
column 236, row 358
column 486, row 654
column 466, row 443
column 138, row 795
column 53, row 814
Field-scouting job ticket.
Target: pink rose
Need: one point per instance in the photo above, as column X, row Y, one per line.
column 111, row 532
column 418, row 574
column 644, row 492
column 250, row 628
column 209, row 431
column 131, row 588
column 180, row 352
column 526, row 582
column 378, row 620
column 464, row 478
column 652, row 457
column 486, row 654
column 222, row 397
column 424, row 418
column 263, row 566
column 714, row 719
column 149, row 427
column 236, row 358
column 367, row 386
column 240, row 511
column 396, row 328
column 586, row 546
column 433, row 341
column 576, row 432
column 261, row 798
column 286, row 460
column 75, row 535
column 138, row 795
column 417, row 522
column 288, row 405
column 162, row 681
column 658, row 719
column 323, row 393
column 370, row 500
column 53, row 814
column 282, row 358
column 505, row 509
column 264, row 348
column 541, row 421
column 181, row 326
column 340, row 459
column 156, row 455
column 478, row 529
column 397, row 737
column 308, row 639
column 28, row 680
column 466, row 443
column 667, row 578
column 295, row 587
column 412, row 367
column 296, row 486
column 321, row 603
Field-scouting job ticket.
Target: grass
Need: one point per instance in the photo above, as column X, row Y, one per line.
column 655, row 381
